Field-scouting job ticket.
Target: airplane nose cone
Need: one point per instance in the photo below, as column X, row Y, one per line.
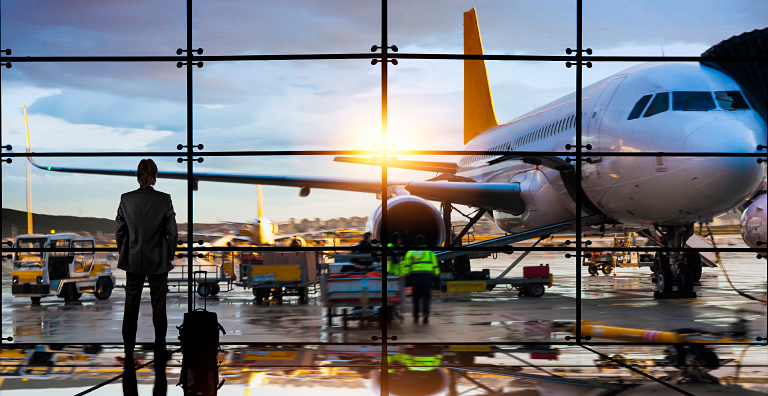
column 717, row 184
column 726, row 136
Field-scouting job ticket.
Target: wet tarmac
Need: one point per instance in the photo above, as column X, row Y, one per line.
column 623, row 299
column 353, row 370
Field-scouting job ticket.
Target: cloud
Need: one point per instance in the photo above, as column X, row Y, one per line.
column 49, row 133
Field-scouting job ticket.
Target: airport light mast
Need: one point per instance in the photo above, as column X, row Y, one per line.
column 29, row 178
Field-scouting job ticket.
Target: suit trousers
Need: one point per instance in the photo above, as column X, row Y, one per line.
column 158, row 288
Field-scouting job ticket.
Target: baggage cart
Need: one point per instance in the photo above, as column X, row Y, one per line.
column 222, row 274
column 360, row 296
column 279, row 274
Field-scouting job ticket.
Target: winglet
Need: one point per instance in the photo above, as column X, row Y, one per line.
column 479, row 115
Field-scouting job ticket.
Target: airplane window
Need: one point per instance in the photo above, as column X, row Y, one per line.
column 639, row 107
column 692, row 101
column 659, row 104
column 731, row 100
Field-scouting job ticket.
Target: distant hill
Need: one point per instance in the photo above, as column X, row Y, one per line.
column 43, row 224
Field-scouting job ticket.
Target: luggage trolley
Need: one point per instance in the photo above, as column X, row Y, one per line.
column 361, row 291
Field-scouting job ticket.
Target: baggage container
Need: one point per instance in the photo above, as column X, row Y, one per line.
column 539, row 271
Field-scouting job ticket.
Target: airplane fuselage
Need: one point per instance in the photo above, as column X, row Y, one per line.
column 670, row 107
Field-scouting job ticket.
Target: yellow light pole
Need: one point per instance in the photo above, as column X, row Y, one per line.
column 29, row 179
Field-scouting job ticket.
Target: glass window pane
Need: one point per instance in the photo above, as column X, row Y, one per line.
column 731, row 100
column 639, row 107
column 93, row 28
column 659, row 104
column 692, row 101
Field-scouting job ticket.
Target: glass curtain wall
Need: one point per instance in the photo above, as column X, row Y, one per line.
column 596, row 197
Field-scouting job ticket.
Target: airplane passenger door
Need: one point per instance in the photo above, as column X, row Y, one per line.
column 596, row 117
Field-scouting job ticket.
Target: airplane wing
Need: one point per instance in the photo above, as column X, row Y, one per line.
column 428, row 166
column 452, row 168
column 349, row 229
column 490, row 196
column 245, row 238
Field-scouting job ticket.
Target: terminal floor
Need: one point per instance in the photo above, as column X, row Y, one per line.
column 624, row 300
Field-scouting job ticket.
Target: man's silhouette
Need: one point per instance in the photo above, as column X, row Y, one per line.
column 146, row 237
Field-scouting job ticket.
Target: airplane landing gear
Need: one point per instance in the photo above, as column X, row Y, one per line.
column 675, row 269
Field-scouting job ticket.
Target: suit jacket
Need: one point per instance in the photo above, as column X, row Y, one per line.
column 145, row 230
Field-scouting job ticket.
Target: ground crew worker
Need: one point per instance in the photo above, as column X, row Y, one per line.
column 414, row 362
column 421, row 266
column 394, row 258
column 414, row 372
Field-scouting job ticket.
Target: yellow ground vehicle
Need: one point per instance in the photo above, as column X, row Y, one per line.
column 66, row 274
column 616, row 257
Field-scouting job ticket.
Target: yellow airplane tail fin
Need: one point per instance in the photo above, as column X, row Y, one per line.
column 479, row 115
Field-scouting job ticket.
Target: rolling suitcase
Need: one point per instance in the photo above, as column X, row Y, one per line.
column 199, row 337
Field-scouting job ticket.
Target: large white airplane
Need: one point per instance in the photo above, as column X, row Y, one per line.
column 657, row 107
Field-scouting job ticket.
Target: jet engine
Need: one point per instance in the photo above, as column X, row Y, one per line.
column 753, row 223
column 544, row 204
column 410, row 216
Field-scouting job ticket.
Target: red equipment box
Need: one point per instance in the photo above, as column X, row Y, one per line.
column 539, row 271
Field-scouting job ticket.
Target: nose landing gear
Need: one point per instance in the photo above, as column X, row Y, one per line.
column 675, row 272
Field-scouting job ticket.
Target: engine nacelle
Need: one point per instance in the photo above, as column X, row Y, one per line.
column 543, row 204
column 753, row 223
column 410, row 216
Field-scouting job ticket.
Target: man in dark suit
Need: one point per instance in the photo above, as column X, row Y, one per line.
column 146, row 237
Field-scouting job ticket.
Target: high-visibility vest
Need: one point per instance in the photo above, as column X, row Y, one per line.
column 421, row 262
column 415, row 363
column 394, row 266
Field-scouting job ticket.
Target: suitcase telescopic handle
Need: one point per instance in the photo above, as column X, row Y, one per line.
column 205, row 297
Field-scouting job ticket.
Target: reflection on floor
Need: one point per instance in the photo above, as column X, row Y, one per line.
column 411, row 369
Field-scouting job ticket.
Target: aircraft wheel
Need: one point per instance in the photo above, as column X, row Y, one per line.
column 103, row 288
column 92, row 349
column 68, row 292
column 536, row 290
column 686, row 280
column 35, row 300
column 205, row 289
column 693, row 262
column 664, row 281
column 592, row 270
column 607, row 269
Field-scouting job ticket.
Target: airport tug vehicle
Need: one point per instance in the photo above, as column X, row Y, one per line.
column 66, row 274
column 615, row 258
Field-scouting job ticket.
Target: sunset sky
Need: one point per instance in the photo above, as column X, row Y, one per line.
column 294, row 105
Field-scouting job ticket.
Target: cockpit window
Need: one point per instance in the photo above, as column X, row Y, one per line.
column 731, row 100
column 639, row 107
column 692, row 101
column 659, row 104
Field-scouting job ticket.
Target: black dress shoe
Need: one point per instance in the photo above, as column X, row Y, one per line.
column 426, row 320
